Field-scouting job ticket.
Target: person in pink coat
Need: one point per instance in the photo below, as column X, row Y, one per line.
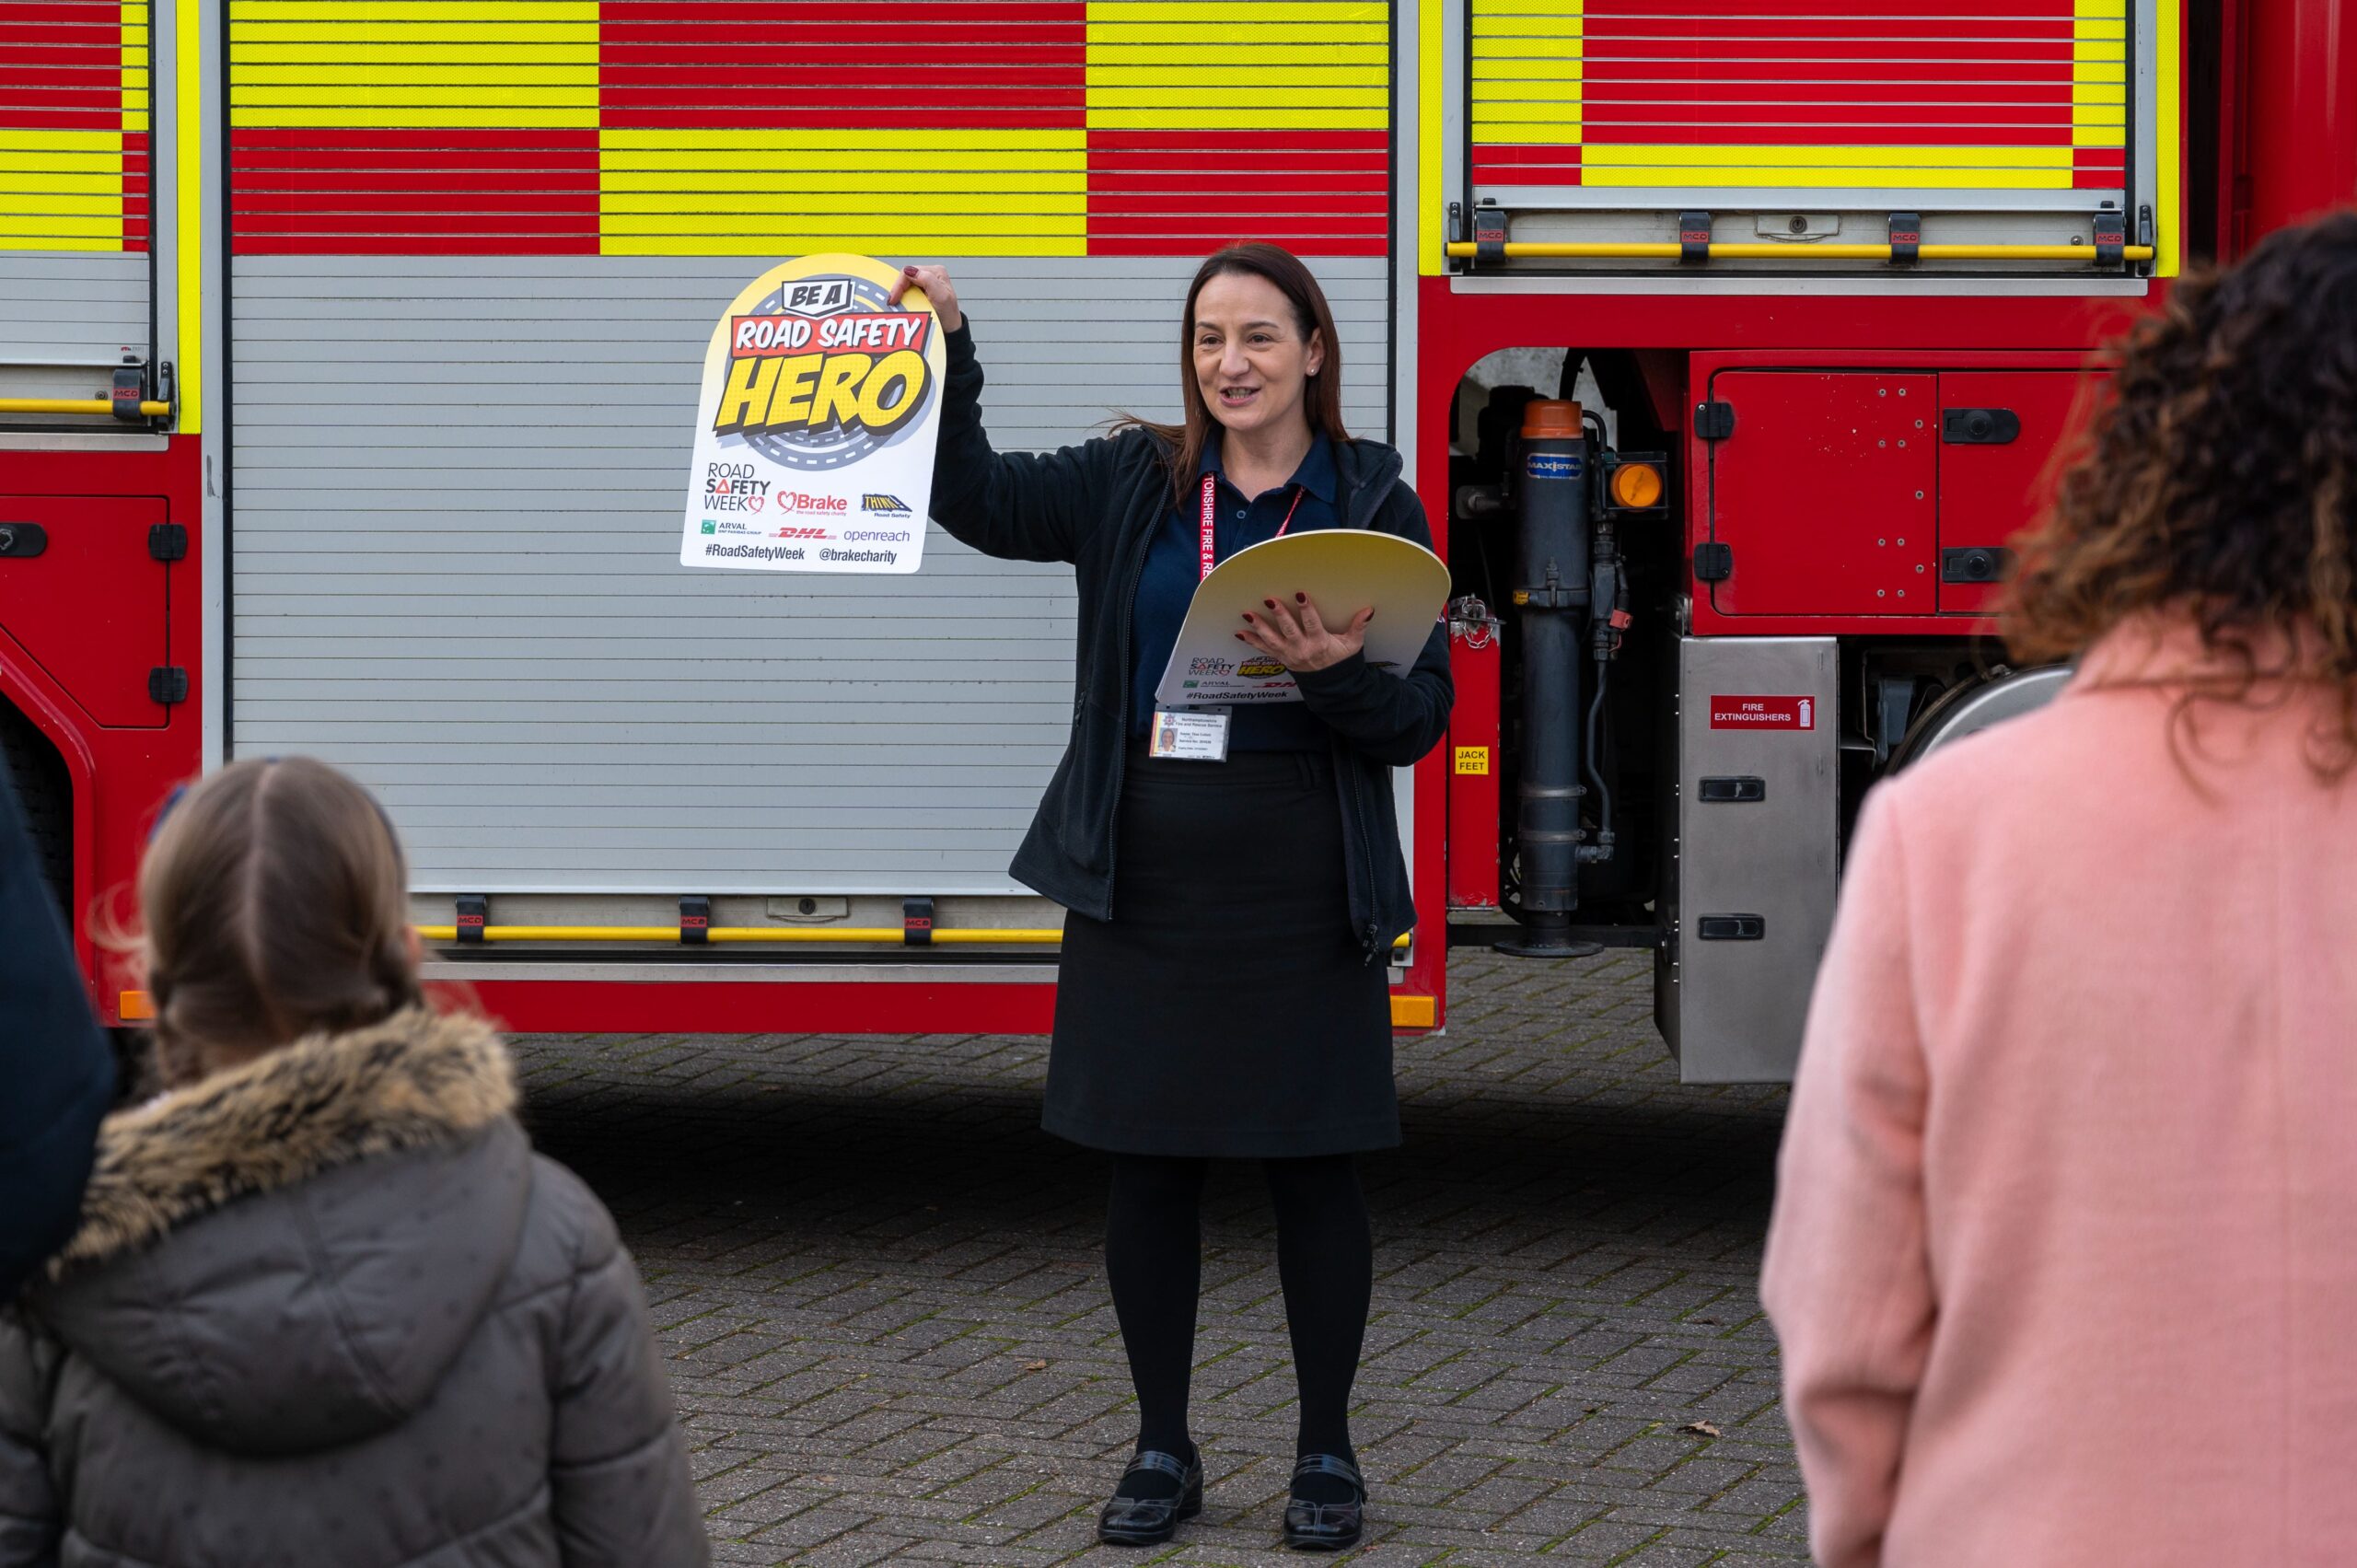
column 2064, row 1252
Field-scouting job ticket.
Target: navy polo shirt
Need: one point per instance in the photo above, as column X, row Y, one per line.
column 1173, row 568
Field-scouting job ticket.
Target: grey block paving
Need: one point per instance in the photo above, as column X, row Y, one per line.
column 879, row 1286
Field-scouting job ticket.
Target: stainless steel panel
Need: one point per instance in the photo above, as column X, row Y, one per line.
column 1732, row 1009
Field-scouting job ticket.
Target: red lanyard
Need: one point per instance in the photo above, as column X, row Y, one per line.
column 1211, row 504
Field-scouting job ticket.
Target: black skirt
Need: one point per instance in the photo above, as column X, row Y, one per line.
column 1226, row 1010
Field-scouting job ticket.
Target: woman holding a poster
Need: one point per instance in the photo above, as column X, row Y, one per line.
column 1235, row 883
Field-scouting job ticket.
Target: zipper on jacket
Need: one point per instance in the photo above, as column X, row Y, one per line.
column 1346, row 759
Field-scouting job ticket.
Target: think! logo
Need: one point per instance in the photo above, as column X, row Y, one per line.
column 892, row 504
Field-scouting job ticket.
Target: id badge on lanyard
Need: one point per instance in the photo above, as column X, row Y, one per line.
column 1200, row 734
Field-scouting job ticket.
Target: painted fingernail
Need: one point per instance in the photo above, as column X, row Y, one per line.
column 1247, row 615
column 1301, row 599
column 1269, row 602
column 1239, row 636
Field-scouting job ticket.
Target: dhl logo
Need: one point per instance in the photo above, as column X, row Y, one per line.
column 789, row 375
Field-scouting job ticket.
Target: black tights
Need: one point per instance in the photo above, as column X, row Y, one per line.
column 1325, row 1261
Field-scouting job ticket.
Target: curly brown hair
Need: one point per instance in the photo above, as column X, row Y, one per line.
column 2221, row 483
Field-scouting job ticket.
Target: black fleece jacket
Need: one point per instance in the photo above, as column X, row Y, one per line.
column 1096, row 507
column 57, row 1065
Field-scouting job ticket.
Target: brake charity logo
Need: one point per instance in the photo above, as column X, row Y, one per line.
column 820, row 408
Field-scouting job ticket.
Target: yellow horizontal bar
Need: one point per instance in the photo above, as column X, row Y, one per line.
column 90, row 181
column 1233, row 12
column 96, row 212
column 666, row 217
column 834, row 192
column 134, row 1006
column 15, row 237
column 1544, row 59
column 1498, row 83
column 363, row 115
column 1199, row 99
column 1414, row 1011
column 310, row 40
column 529, row 20
column 868, row 241
column 1735, row 251
column 77, row 405
column 388, row 74
column 969, row 935
column 990, row 204
column 856, row 150
column 983, row 935
column 1262, row 116
column 109, row 142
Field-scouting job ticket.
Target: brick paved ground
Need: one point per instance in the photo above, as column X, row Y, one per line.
column 879, row 1285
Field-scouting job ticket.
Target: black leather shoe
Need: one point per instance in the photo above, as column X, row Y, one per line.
column 1325, row 1526
column 1149, row 1521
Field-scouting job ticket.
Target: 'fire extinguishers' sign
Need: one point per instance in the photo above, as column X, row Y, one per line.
column 816, row 427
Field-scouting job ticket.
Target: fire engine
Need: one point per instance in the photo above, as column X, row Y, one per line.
column 348, row 349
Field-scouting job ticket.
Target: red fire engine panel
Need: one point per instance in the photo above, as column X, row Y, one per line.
column 1825, row 493
column 91, row 607
column 1476, row 763
column 1992, row 490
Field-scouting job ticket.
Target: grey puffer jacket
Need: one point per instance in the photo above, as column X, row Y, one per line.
column 329, row 1308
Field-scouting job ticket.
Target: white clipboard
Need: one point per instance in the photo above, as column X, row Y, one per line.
column 1344, row 571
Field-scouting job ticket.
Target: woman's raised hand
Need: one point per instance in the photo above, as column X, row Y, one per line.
column 1296, row 637
column 937, row 287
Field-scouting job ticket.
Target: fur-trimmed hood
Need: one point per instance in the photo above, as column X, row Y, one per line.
column 289, row 1254
column 415, row 1079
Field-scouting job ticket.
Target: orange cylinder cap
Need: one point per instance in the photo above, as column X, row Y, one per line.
column 1551, row 419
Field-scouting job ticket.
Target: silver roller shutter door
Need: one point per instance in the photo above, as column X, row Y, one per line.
column 456, row 497
column 75, row 193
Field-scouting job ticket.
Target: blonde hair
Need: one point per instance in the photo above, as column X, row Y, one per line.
column 274, row 902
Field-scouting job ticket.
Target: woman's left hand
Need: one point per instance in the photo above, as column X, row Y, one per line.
column 1296, row 637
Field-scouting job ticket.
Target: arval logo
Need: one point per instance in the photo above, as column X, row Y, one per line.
column 892, row 504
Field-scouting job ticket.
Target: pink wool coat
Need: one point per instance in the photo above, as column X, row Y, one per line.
column 2064, row 1252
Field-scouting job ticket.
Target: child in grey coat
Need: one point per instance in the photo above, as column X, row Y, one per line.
column 325, row 1304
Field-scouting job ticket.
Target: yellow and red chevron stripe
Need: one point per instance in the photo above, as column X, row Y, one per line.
column 75, row 147
column 732, row 127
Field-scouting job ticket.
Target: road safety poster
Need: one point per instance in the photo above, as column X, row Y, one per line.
column 816, row 426
column 1344, row 571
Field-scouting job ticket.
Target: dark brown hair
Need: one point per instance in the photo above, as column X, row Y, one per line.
column 275, row 905
column 2221, row 483
column 1322, row 396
